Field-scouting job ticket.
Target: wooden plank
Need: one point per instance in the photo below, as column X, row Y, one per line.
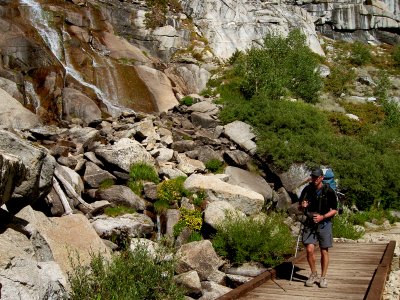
column 257, row 281
column 377, row 286
column 349, row 276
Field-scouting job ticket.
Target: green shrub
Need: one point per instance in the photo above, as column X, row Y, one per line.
column 143, row 171
column 340, row 80
column 106, row 183
column 363, row 154
column 382, row 87
column 396, row 56
column 188, row 101
column 139, row 173
column 215, row 165
column 118, row 210
column 360, row 54
column 376, row 216
column 282, row 67
column 344, row 124
column 130, row 275
column 190, row 218
column 242, row 239
column 344, row 228
column 171, row 191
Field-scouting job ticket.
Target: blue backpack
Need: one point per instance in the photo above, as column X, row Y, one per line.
column 329, row 179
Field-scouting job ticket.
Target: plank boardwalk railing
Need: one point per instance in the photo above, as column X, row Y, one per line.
column 356, row 271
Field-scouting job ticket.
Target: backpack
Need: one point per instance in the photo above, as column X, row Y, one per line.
column 329, row 179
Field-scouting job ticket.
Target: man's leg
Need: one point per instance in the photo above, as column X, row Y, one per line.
column 324, row 261
column 311, row 261
column 311, row 257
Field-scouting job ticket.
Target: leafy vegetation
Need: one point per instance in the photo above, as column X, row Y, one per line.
column 158, row 10
column 106, row 183
column 364, row 154
column 190, row 218
column 344, row 228
column 265, row 240
column 283, row 67
column 118, row 211
column 215, row 165
column 129, row 275
column 188, row 101
column 139, row 173
column 360, row 54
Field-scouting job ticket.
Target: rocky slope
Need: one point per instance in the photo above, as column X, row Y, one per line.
column 64, row 59
column 86, row 90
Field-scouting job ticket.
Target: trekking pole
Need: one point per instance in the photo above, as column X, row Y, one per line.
column 297, row 247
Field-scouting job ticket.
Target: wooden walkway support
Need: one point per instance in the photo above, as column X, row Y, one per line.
column 356, row 271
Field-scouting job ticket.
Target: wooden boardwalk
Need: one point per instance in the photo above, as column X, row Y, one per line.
column 356, row 271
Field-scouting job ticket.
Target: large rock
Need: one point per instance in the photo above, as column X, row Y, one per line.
column 66, row 237
column 133, row 225
column 249, row 181
column 25, row 278
column 11, row 88
column 76, row 104
column 295, row 179
column 14, row 115
column 124, row 153
column 40, row 167
column 241, row 199
column 12, row 173
column 216, row 212
column 242, row 134
column 200, row 257
column 121, row 195
column 159, row 87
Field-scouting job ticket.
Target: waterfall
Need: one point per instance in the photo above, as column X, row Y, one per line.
column 158, row 227
column 31, row 97
column 40, row 18
column 54, row 40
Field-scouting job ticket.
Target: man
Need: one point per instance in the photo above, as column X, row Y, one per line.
column 319, row 203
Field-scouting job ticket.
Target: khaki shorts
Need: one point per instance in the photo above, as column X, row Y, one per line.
column 321, row 233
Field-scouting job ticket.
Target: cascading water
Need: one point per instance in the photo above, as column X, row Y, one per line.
column 158, row 227
column 32, row 98
column 54, row 40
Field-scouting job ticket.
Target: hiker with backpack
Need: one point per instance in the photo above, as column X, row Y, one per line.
column 318, row 201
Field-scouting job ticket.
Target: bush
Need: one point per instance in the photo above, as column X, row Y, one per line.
column 189, row 219
column 106, row 183
column 140, row 172
column 118, row 210
column 171, row 191
column 340, row 80
column 396, row 56
column 376, row 216
column 344, row 228
column 282, row 67
column 242, row 239
column 130, row 275
column 215, row 165
column 364, row 154
column 188, row 101
column 360, row 54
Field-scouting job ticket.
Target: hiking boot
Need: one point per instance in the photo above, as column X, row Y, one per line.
column 323, row 283
column 312, row 279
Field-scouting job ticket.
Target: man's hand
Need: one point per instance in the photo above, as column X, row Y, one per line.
column 304, row 203
column 318, row 218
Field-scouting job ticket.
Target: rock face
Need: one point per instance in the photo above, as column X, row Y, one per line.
column 70, row 59
column 14, row 115
column 40, row 167
column 230, row 25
